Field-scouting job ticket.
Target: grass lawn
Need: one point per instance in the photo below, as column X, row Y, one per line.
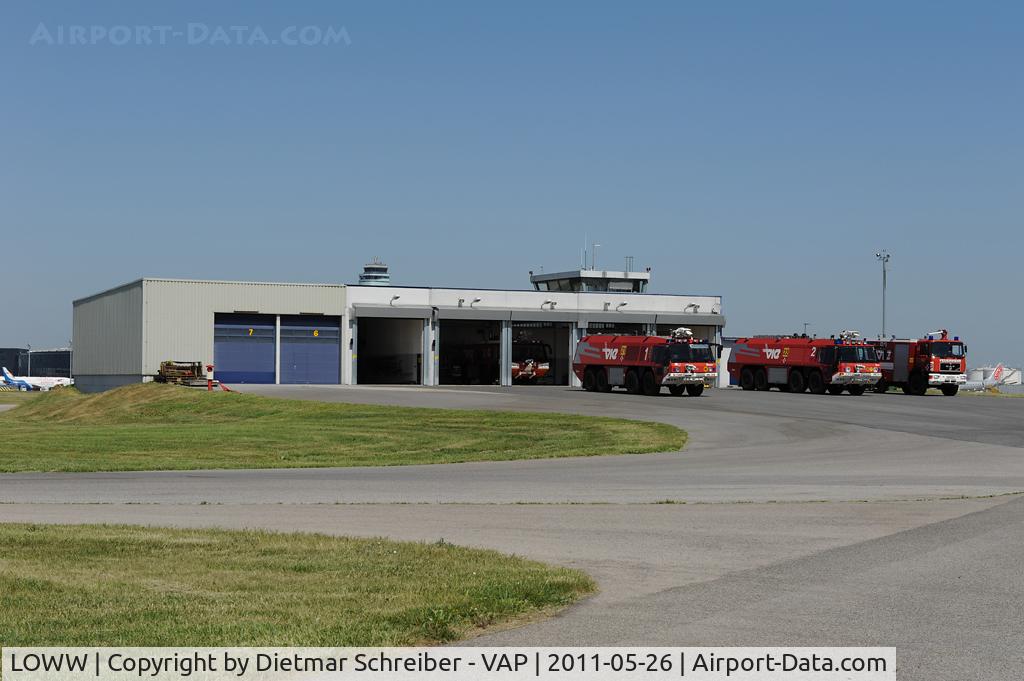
column 162, row 427
column 94, row 585
column 16, row 396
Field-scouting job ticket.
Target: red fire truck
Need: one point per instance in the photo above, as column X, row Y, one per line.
column 530, row 361
column 915, row 365
column 799, row 363
column 642, row 364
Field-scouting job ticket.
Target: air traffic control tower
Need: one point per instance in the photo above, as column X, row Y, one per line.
column 592, row 280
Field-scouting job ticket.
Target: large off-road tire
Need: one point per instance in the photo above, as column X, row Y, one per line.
column 950, row 390
column 761, row 380
column 695, row 390
column 649, row 384
column 856, row 390
column 918, row 384
column 747, row 379
column 677, row 390
column 816, row 382
column 881, row 386
column 797, row 383
column 589, row 380
column 601, row 380
column 632, row 383
column 835, row 389
column 906, row 389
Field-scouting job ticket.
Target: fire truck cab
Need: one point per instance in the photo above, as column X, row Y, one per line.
column 643, row 364
column 914, row 365
column 531, row 361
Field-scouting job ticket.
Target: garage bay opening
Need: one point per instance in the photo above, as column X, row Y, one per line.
column 470, row 352
column 540, row 353
column 389, row 351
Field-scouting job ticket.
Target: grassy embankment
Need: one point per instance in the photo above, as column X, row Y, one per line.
column 160, row 427
column 134, row 586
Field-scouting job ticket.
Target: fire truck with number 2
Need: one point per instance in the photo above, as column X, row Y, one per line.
column 642, row 364
column 799, row 363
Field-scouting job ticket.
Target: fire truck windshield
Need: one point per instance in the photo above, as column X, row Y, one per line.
column 522, row 352
column 947, row 350
column 690, row 352
column 856, row 353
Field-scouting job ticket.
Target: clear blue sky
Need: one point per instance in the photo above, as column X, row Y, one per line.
column 763, row 151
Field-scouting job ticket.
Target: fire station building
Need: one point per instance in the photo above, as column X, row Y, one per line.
column 371, row 333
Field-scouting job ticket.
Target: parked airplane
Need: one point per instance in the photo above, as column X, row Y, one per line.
column 34, row 382
column 993, row 381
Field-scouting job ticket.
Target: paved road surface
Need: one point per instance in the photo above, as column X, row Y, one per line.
column 735, row 455
column 940, row 578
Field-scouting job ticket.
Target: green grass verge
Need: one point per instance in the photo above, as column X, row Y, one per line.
column 93, row 585
column 161, row 427
column 16, row 396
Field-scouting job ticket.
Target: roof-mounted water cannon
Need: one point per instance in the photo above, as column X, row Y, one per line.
column 847, row 335
column 682, row 333
column 943, row 334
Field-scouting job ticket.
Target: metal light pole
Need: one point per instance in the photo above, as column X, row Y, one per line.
column 29, row 345
column 883, row 257
column 806, row 324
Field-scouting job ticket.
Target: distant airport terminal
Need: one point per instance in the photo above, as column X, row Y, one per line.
column 373, row 332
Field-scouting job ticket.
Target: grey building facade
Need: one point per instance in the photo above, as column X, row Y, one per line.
column 256, row 332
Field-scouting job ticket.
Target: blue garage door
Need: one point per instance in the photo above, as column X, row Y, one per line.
column 243, row 348
column 310, row 349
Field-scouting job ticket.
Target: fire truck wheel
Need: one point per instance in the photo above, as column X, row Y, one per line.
column 677, row 390
column 906, row 389
column 796, row 384
column 601, row 378
column 950, row 390
column 856, row 390
column 649, row 385
column 835, row 390
column 632, row 383
column 761, row 380
column 918, row 384
column 589, row 380
column 881, row 387
column 695, row 390
column 816, row 382
column 747, row 379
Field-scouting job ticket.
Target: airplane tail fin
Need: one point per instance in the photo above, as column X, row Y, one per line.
column 997, row 375
column 7, row 375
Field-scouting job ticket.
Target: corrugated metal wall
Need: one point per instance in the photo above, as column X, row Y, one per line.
column 107, row 332
column 179, row 314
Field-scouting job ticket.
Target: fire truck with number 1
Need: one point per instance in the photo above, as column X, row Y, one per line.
column 642, row 364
